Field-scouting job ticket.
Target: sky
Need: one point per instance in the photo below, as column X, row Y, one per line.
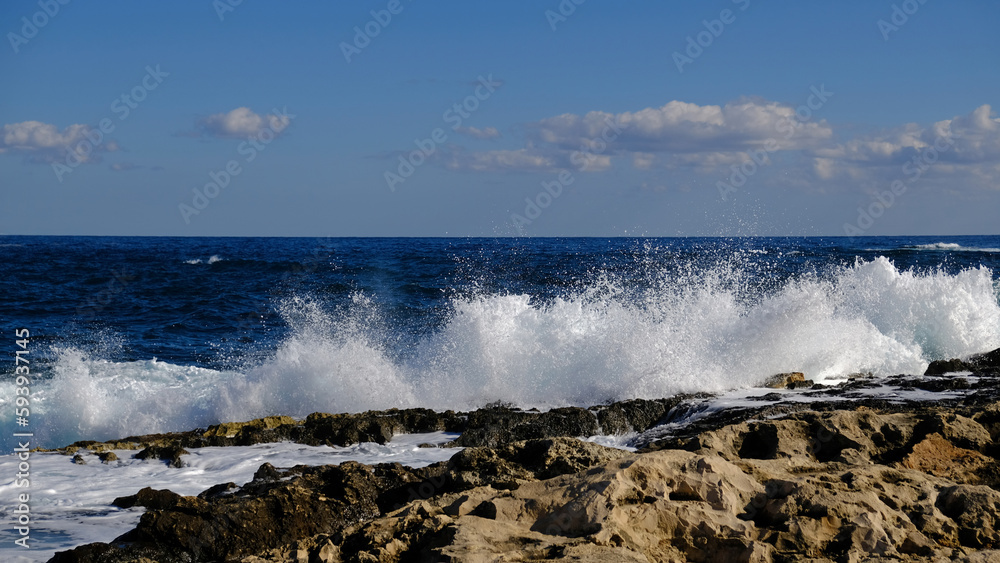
column 512, row 118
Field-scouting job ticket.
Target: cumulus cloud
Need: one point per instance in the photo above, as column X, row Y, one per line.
column 241, row 123
column 675, row 134
column 476, row 133
column 44, row 143
column 680, row 127
column 966, row 145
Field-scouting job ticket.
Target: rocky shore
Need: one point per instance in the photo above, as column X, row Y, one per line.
column 891, row 469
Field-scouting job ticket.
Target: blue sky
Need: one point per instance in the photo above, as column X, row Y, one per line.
column 593, row 119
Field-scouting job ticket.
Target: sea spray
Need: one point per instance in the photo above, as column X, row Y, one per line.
column 682, row 330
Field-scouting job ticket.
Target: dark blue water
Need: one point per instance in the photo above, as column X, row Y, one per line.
column 454, row 322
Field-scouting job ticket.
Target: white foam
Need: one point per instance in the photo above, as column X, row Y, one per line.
column 210, row 260
column 951, row 246
column 66, row 514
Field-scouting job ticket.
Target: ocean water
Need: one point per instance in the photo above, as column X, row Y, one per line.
column 140, row 335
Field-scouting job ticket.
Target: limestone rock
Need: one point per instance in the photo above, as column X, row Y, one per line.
column 784, row 380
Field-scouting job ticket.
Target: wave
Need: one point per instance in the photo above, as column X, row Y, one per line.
column 949, row 246
column 688, row 333
column 210, row 260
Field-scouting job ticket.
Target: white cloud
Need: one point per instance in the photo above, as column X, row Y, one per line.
column 476, row 133
column 44, row 143
column 680, row 127
column 240, row 123
column 673, row 135
column 966, row 147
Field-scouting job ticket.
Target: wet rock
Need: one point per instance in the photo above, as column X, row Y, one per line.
column 635, row 415
column 979, row 364
column 495, row 426
column 149, row 498
column 79, row 460
column 171, row 454
column 941, row 367
column 107, row 457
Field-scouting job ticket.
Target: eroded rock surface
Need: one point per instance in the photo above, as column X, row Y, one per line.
column 839, row 486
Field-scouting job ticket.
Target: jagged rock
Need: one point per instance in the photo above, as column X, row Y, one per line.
column 491, row 427
column 78, row 459
column 635, row 415
column 980, row 364
column 796, row 481
column 975, row 509
column 667, row 505
column 509, row 466
column 941, row 367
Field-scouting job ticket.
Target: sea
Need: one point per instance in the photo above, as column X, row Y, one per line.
column 119, row 336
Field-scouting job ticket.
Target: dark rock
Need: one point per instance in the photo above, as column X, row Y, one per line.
column 107, row 457
column 150, row 498
column 171, row 454
column 987, row 363
column 491, row 427
column 635, row 415
column 220, row 490
column 78, row 459
column 941, row 367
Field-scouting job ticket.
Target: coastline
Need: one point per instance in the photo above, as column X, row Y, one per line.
column 822, row 473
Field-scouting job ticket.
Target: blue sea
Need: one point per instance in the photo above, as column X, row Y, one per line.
column 138, row 335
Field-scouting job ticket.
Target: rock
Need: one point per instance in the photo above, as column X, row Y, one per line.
column 107, row 457
column 975, row 509
column 784, row 380
column 634, row 415
column 509, row 466
column 941, row 367
column 171, row 454
column 498, row 425
column 987, row 363
column 149, row 498
column 937, row 456
column 885, row 480
column 78, row 459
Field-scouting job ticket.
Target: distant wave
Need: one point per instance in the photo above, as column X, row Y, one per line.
column 949, row 246
column 211, row 260
column 693, row 332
